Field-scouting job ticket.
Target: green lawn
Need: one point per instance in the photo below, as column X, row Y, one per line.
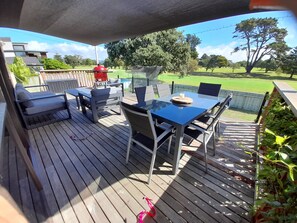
column 257, row 82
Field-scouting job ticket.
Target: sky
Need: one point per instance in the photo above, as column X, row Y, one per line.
column 216, row 37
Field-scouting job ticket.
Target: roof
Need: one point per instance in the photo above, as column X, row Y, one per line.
column 95, row 22
column 29, row 61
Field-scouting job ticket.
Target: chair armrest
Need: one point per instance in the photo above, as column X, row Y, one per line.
column 201, row 129
column 34, row 86
column 43, row 97
column 170, row 129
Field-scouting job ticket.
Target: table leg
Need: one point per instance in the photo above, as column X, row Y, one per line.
column 77, row 102
column 179, row 135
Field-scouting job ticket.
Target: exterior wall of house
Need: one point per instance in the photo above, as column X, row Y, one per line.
column 7, row 46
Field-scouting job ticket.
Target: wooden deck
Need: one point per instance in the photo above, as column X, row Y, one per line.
column 85, row 178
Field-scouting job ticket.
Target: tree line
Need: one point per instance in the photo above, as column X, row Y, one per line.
column 66, row 62
column 176, row 52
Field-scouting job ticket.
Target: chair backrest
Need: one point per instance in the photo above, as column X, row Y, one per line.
column 163, row 90
column 145, row 93
column 223, row 106
column 209, row 89
column 140, row 120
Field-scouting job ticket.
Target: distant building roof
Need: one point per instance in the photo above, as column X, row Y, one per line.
column 29, row 61
column 27, row 51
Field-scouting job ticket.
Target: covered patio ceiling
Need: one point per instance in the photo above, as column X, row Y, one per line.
column 100, row 21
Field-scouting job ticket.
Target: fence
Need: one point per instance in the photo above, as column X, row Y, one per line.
column 83, row 77
column 241, row 100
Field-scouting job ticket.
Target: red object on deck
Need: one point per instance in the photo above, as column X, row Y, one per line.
column 100, row 73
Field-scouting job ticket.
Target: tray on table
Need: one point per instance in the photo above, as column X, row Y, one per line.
column 182, row 100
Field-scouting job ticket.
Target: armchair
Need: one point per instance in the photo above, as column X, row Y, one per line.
column 99, row 100
column 38, row 108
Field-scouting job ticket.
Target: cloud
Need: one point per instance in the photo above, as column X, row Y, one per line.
column 224, row 50
column 68, row 49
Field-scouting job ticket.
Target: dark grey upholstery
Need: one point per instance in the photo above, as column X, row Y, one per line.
column 145, row 93
column 101, row 100
column 144, row 133
column 163, row 90
column 196, row 131
column 208, row 117
column 38, row 104
column 209, row 89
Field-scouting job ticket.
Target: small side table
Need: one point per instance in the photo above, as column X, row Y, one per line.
column 74, row 92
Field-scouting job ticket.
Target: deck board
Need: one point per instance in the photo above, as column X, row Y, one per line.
column 85, row 178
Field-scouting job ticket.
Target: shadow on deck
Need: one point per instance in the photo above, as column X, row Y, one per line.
column 85, row 178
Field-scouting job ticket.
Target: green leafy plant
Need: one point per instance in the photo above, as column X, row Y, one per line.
column 20, row 70
column 278, row 172
column 52, row 64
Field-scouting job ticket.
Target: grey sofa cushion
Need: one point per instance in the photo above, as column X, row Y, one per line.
column 42, row 94
column 23, row 94
column 48, row 104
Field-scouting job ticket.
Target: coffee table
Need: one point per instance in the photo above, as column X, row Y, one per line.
column 74, row 92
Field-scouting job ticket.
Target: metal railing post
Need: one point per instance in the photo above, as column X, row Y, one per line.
column 266, row 96
column 172, row 87
column 132, row 84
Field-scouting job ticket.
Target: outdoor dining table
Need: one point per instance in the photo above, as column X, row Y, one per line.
column 180, row 115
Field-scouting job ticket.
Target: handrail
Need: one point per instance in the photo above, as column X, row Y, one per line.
column 288, row 93
column 2, row 122
column 2, row 131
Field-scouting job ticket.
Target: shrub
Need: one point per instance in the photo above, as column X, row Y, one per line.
column 52, row 64
column 278, row 173
column 20, row 70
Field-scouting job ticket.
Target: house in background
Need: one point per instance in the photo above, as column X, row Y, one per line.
column 14, row 49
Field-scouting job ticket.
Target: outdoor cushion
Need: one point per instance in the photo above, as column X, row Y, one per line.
column 42, row 105
column 41, row 94
column 22, row 94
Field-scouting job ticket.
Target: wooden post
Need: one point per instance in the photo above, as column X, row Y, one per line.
column 13, row 122
column 147, row 82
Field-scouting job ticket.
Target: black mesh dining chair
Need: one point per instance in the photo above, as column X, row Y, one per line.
column 144, row 133
column 163, row 90
column 204, row 120
column 209, row 89
column 195, row 131
column 145, row 93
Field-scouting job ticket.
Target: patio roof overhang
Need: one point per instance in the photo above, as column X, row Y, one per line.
column 94, row 22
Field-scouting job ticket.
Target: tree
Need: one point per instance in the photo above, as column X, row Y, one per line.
column 73, row 61
column 234, row 66
column 261, row 37
column 192, row 65
column 20, row 70
column 52, row 64
column 289, row 63
column 107, row 63
column 204, row 60
column 58, row 57
column 88, row 62
column 193, row 41
column 222, row 61
column 165, row 48
column 268, row 65
column 151, row 55
column 212, row 63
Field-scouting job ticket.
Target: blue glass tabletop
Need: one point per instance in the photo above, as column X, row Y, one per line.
column 181, row 114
